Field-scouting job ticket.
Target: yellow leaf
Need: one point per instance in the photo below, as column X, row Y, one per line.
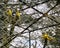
column 9, row 12
column 46, row 36
column 18, row 13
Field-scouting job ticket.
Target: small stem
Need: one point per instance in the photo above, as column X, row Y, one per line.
column 45, row 43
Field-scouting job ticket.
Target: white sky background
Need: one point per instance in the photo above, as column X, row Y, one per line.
column 43, row 8
column 16, row 42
